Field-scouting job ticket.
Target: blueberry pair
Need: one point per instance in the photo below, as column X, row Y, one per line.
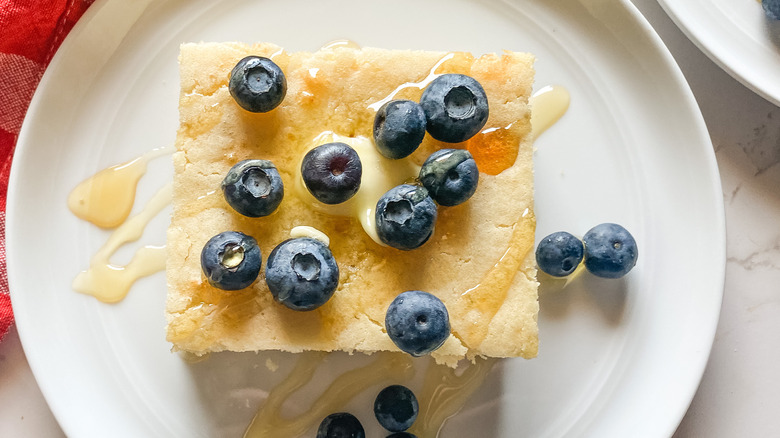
column 301, row 273
column 406, row 214
column 608, row 249
column 452, row 109
column 395, row 407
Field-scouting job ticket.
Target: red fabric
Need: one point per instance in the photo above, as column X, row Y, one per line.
column 30, row 33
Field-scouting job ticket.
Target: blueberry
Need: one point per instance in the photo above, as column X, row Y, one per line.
column 341, row 425
column 610, row 251
column 405, row 217
column 231, row 260
column 559, row 254
column 396, row 408
column 253, row 188
column 302, row 273
column 257, row 84
column 772, row 8
column 402, row 435
column 417, row 322
column 332, row 172
column 455, row 106
column 450, row 175
column 399, row 128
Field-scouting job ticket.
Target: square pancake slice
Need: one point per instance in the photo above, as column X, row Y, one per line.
column 479, row 260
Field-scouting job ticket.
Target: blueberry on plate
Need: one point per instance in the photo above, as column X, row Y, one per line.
column 396, row 408
column 417, row 322
column 610, row 251
column 399, row 128
column 405, row 217
column 559, row 254
column 402, row 435
column 455, row 106
column 253, row 188
column 302, row 273
column 341, row 425
column 231, row 260
column 257, row 84
column 772, row 8
column 450, row 175
column 332, row 172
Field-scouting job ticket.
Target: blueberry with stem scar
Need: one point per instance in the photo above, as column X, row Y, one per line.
column 231, row 260
column 253, row 188
column 257, row 84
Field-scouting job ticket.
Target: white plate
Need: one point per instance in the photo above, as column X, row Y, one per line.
column 618, row 358
column 736, row 35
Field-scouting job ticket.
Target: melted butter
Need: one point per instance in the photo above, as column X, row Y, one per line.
column 489, row 294
column 109, row 282
column 420, row 84
column 548, row 105
column 445, row 392
column 269, row 421
column 341, row 43
column 311, row 232
column 106, row 198
column 379, row 175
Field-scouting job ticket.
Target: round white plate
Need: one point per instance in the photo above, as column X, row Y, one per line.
column 617, row 358
column 736, row 35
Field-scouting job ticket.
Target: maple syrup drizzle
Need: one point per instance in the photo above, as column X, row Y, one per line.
column 419, row 85
column 341, row 43
column 269, row 421
column 110, row 283
column 106, row 198
column 489, row 294
column 445, row 392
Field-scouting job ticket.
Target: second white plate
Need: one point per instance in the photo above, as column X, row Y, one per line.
column 737, row 35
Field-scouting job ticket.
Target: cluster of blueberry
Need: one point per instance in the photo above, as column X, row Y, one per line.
column 301, row 273
column 453, row 108
column 395, row 408
column 608, row 249
column 772, row 8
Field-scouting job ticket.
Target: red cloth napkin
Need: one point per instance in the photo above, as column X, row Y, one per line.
column 30, row 33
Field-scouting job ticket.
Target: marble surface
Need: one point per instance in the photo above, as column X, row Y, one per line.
column 740, row 391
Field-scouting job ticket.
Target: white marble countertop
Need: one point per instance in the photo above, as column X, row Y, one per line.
column 740, row 390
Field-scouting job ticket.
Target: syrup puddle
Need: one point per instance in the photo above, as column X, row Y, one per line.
column 106, row 198
column 110, row 283
column 548, row 105
column 444, row 393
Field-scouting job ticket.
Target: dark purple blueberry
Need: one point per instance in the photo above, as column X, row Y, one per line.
column 253, row 188
column 402, row 435
column 559, row 254
column 450, row 175
column 405, row 217
column 231, row 260
column 396, row 408
column 610, row 251
column 455, row 106
column 257, row 84
column 302, row 273
column 332, row 172
column 341, row 425
column 399, row 128
column 417, row 322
